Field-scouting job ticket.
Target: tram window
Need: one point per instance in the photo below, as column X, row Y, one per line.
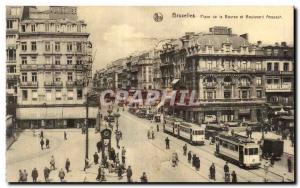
column 253, row 151
column 246, row 151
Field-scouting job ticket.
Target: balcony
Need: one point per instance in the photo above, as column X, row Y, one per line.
column 29, row 67
column 249, row 70
column 12, row 76
column 29, row 84
column 287, row 72
column 70, row 83
column 79, row 83
column 10, row 91
column 57, row 84
column 245, row 84
column 287, row 87
column 210, row 84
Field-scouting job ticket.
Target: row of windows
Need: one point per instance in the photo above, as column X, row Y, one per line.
column 58, row 95
column 270, row 66
column 50, row 27
column 56, row 46
column 244, row 94
column 276, row 80
column 49, row 60
column 57, row 76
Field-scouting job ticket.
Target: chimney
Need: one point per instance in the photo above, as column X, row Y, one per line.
column 276, row 43
column 259, row 43
column 283, row 44
column 245, row 36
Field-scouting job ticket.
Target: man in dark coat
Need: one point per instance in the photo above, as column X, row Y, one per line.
column 47, row 143
column 167, row 143
column 42, row 134
column 129, row 174
column 194, row 159
column 189, row 156
column 212, row 172
column 184, row 149
column 98, row 178
column 272, row 159
column 144, row 178
column 289, row 163
column 233, row 177
column 65, row 135
column 120, row 171
column 226, row 168
column 46, row 174
column 34, row 175
column 157, row 128
column 99, row 144
column 42, row 143
column 96, row 158
column 67, row 165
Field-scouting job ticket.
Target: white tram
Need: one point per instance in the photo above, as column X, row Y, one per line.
column 191, row 132
column 238, row 149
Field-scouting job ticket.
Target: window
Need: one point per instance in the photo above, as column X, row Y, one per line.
column 78, row 46
column 47, row 46
column 258, row 94
column 269, row 66
column 209, row 95
column 78, row 28
column 33, row 46
column 24, row 60
column 23, row 28
column 70, row 76
column 253, row 151
column 33, row 59
column 79, row 94
column 69, row 46
column 246, row 151
column 34, row 77
column 9, row 24
column 227, row 94
column 258, row 81
column 70, row 94
column 24, row 77
column 244, row 94
column 57, row 76
column 244, row 65
column 24, row 95
column 58, row 95
column 269, row 52
column 48, row 61
column 269, row 81
column 258, row 66
column 276, row 81
column 57, row 60
column 286, row 67
column 276, row 66
column 34, row 95
column 24, row 46
column 46, row 27
column 69, row 27
column 275, row 52
column 48, row 95
column 32, row 28
column 79, row 61
column 69, row 60
column 57, row 46
column 56, row 28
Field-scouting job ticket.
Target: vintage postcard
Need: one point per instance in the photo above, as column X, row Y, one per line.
column 166, row 94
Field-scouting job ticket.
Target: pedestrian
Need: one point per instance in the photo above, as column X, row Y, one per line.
column 289, row 163
column 34, row 175
column 197, row 163
column 129, row 174
column 123, row 159
column 212, row 172
column 194, row 160
column 153, row 136
column 167, row 143
column 284, row 177
column 120, row 171
column 227, row 177
column 233, row 177
column 118, row 139
column 272, row 160
column 226, row 168
column 144, row 178
column 42, row 143
column 61, row 175
column 67, row 165
column 189, row 156
column 65, row 135
column 148, row 134
column 24, row 176
column 123, row 151
column 52, row 163
column 42, row 134
column 47, row 143
column 46, row 174
column 96, row 158
column 99, row 144
column 103, row 175
column 157, row 128
column 98, row 178
column 20, row 175
column 184, row 149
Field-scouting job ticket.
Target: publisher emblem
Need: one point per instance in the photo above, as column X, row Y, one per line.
column 158, row 17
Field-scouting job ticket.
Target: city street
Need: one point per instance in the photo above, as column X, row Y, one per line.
column 143, row 154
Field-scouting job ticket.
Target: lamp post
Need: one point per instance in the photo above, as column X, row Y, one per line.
column 86, row 127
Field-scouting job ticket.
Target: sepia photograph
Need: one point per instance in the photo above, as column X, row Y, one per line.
column 150, row 94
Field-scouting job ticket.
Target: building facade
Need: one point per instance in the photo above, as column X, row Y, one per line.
column 55, row 59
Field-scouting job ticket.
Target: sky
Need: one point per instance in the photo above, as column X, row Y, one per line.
column 117, row 32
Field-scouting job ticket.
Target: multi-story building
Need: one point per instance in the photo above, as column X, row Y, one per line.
column 227, row 74
column 13, row 17
column 55, row 68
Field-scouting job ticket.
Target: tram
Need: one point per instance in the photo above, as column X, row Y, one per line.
column 191, row 133
column 171, row 125
column 238, row 149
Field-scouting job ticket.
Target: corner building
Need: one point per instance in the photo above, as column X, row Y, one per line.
column 55, row 59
